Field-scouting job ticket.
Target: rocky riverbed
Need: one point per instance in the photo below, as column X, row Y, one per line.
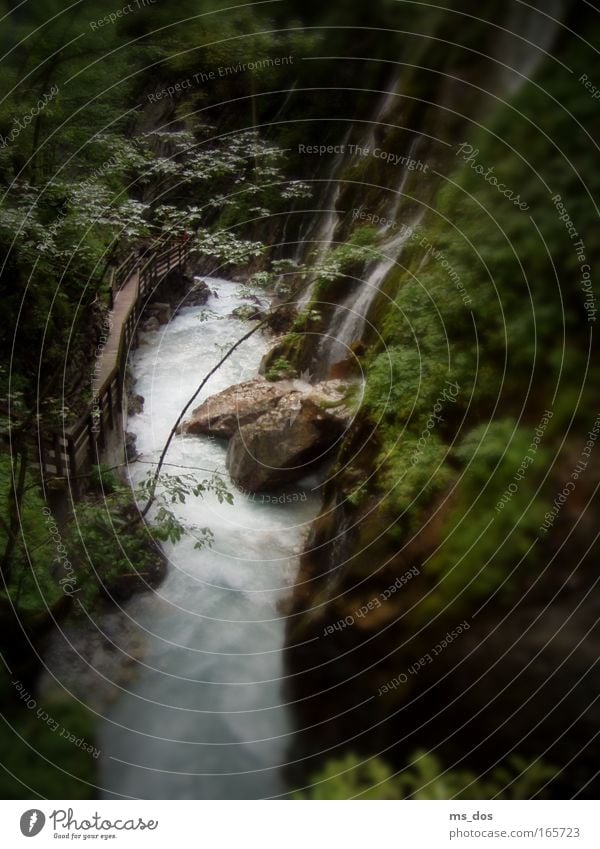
column 278, row 431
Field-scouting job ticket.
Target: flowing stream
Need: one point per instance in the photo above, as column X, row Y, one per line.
column 204, row 715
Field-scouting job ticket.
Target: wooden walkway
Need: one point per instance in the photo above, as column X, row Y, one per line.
column 123, row 304
column 66, row 455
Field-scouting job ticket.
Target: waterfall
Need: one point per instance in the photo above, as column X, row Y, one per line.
column 329, row 219
column 323, row 238
column 384, row 105
column 350, row 317
column 529, row 34
column 326, row 223
column 530, row 31
column 391, row 212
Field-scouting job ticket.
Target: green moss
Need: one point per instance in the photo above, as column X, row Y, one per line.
column 347, row 259
column 281, row 369
column 488, row 537
column 306, row 320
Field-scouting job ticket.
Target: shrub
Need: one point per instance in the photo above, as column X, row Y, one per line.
column 281, row 369
column 425, row 778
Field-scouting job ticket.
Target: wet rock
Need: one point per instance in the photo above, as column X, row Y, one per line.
column 282, row 318
column 131, row 451
column 161, row 312
column 198, row 294
column 179, row 289
column 280, row 431
column 344, row 369
column 150, row 326
column 248, row 312
column 223, row 414
column 135, row 404
column 283, row 445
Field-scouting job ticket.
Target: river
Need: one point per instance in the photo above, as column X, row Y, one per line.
column 203, row 716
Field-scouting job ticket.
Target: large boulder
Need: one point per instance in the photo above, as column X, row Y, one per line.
column 151, row 325
column 282, row 446
column 279, row 431
column 223, row 414
column 249, row 312
column 197, row 295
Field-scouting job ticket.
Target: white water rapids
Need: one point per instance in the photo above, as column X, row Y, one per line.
column 204, row 716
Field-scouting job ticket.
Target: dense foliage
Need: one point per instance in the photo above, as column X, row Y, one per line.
column 514, row 347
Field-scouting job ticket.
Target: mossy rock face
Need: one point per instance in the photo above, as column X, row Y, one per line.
column 281, row 369
column 418, row 516
column 113, row 552
column 285, row 356
column 336, row 291
column 355, row 609
column 281, row 319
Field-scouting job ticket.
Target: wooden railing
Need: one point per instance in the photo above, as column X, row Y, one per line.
column 68, row 454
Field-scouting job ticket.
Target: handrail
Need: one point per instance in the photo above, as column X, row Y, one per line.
column 74, row 449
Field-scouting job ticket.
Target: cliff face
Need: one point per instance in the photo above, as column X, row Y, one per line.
column 446, row 588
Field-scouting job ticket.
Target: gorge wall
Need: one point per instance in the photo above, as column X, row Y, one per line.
column 430, row 608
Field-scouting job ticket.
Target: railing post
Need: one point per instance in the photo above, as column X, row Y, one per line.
column 71, row 455
column 111, row 418
column 43, row 456
column 91, row 439
column 58, row 456
column 112, row 289
column 73, row 470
